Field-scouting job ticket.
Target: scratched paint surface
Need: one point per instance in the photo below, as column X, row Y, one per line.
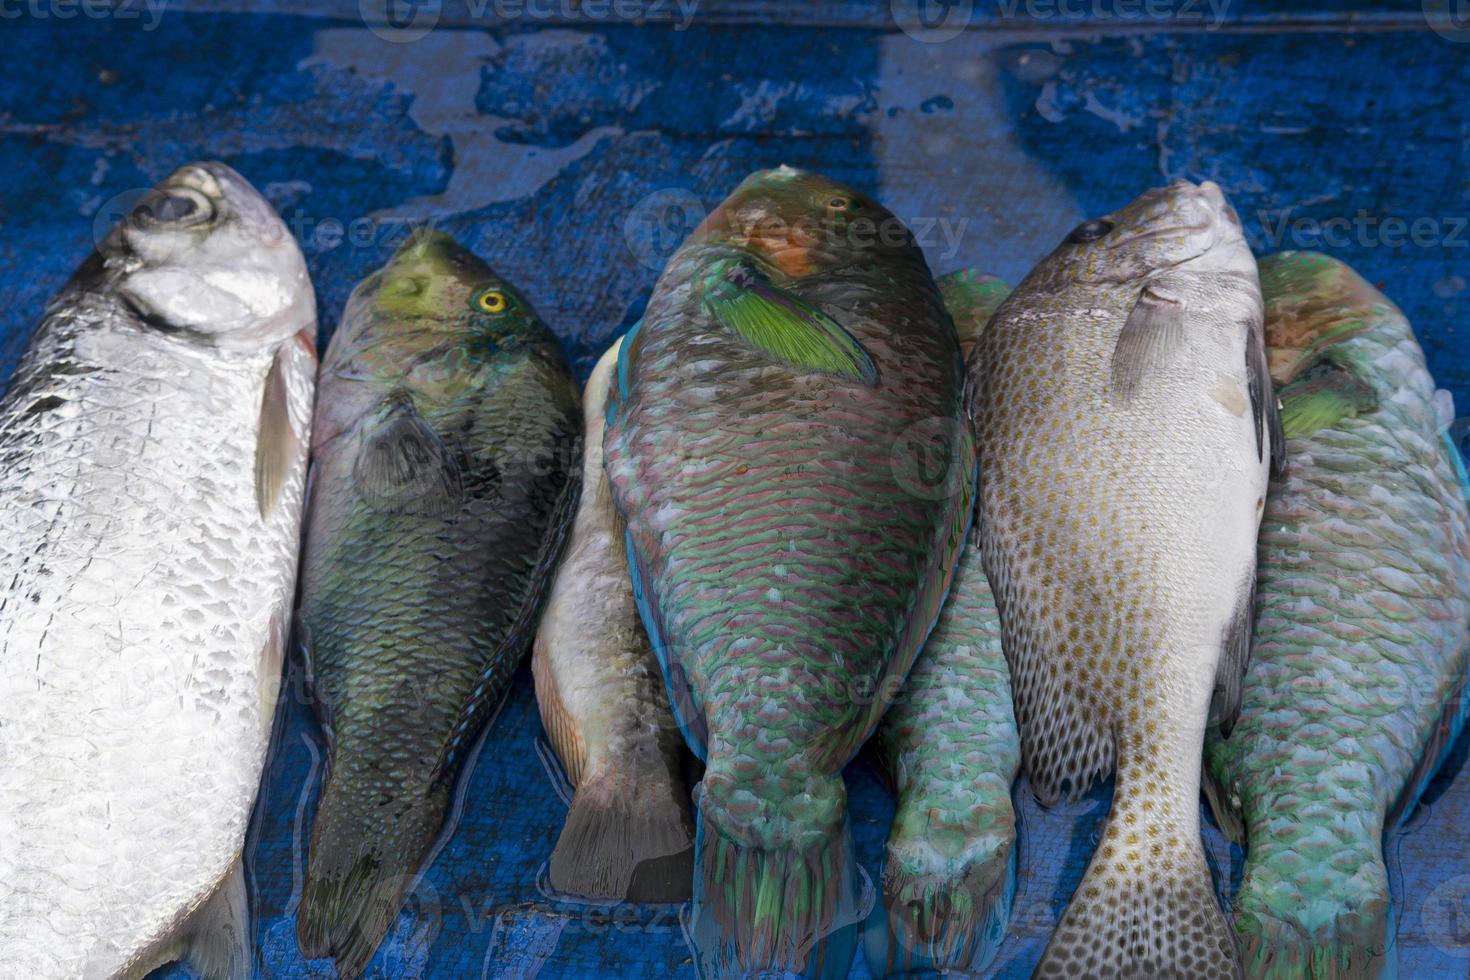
column 574, row 152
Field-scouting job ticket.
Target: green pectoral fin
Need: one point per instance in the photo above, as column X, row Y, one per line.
column 785, row 327
column 403, row 467
column 1324, row 396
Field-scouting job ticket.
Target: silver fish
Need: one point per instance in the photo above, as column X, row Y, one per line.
column 152, row 460
column 629, row 833
column 1126, row 420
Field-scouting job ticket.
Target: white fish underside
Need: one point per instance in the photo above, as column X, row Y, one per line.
column 142, row 600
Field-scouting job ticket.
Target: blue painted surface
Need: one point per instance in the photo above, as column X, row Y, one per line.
column 573, row 152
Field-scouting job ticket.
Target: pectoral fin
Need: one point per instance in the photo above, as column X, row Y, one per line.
column 1325, row 395
column 787, row 328
column 1265, row 411
column 276, row 442
column 1150, row 338
column 403, row 467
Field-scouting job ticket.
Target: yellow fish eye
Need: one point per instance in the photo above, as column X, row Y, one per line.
column 491, row 301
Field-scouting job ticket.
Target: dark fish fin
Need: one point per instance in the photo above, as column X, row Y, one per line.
column 276, row 442
column 787, row 328
column 403, row 466
column 1442, row 738
column 1153, row 333
column 1324, row 395
column 1265, row 410
column 522, row 630
column 971, row 297
column 219, row 943
column 946, row 917
column 683, row 699
column 1235, row 656
column 779, row 899
column 1227, row 816
column 627, row 838
column 364, row 863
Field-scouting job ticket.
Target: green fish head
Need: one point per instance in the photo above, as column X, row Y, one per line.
column 434, row 320
column 801, row 223
column 1162, row 228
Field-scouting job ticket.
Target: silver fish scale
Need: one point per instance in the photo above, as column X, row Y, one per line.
column 139, row 590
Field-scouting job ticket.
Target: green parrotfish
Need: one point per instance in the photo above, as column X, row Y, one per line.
column 949, row 748
column 788, row 447
column 1126, row 426
column 1355, row 691
column 444, row 475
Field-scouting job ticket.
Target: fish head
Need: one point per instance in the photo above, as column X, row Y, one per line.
column 802, row 223
column 1162, row 229
column 205, row 256
column 433, row 320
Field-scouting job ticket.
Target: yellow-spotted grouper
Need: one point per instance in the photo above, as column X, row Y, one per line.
column 1356, row 684
column 950, row 750
column 444, row 475
column 789, row 450
column 1126, row 426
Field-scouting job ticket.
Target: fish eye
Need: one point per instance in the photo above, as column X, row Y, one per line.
column 491, row 301
column 1090, row 231
column 839, row 203
column 179, row 206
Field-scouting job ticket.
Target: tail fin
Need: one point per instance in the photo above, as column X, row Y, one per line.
column 1146, row 908
column 942, row 912
column 777, row 887
column 364, row 860
column 626, row 839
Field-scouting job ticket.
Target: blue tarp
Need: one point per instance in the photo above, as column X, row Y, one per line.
column 572, row 145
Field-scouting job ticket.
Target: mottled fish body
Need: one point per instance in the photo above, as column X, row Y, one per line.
column 443, row 477
column 1126, row 422
column 1355, row 692
column 629, row 833
column 152, row 461
column 789, row 555
column 950, row 749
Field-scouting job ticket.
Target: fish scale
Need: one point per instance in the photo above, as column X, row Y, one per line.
column 776, row 552
column 145, row 599
column 1362, row 631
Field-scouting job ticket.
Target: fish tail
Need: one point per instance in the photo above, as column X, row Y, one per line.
column 777, row 887
column 1315, row 904
column 943, row 911
column 365, row 859
column 627, row 838
column 219, row 945
column 1146, row 908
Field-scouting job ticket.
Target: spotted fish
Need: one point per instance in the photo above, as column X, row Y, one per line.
column 1126, row 426
column 1354, row 694
column 950, row 749
column 787, row 446
column 629, row 833
column 443, row 479
column 152, row 464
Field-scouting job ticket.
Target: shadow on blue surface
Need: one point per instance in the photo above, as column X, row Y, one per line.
column 575, row 155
